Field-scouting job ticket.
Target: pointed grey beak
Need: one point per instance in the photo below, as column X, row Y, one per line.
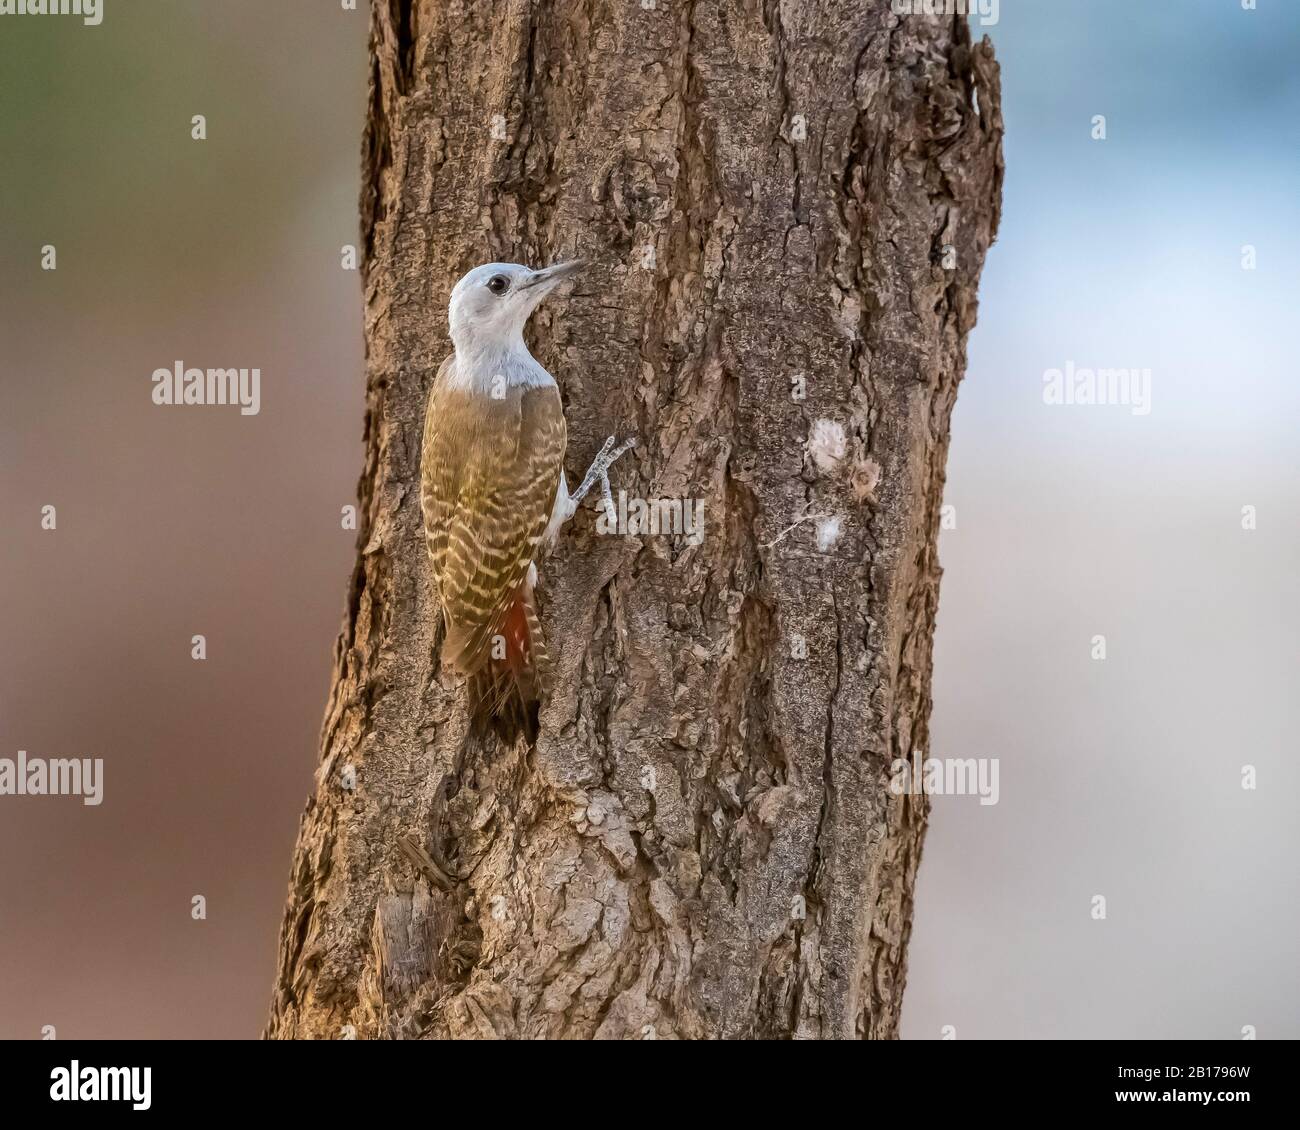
column 548, row 277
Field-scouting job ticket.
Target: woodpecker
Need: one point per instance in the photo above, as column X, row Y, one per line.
column 493, row 490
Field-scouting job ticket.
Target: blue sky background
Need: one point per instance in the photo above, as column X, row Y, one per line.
column 1122, row 777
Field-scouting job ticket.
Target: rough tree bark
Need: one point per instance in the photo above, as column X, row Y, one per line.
column 787, row 207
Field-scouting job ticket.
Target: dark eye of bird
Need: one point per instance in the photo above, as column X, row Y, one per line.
column 498, row 284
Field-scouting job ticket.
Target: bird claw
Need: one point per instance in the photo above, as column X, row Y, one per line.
column 599, row 472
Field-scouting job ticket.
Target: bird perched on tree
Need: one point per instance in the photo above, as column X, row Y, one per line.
column 493, row 490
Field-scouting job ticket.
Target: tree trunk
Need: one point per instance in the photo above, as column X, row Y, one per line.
column 786, row 208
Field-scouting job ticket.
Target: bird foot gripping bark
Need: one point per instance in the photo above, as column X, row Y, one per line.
column 599, row 472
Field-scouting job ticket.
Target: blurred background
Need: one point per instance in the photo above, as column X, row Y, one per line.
column 1118, row 777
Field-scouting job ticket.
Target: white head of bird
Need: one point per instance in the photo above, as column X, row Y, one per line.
column 486, row 316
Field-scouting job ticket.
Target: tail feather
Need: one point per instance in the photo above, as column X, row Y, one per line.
column 505, row 689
